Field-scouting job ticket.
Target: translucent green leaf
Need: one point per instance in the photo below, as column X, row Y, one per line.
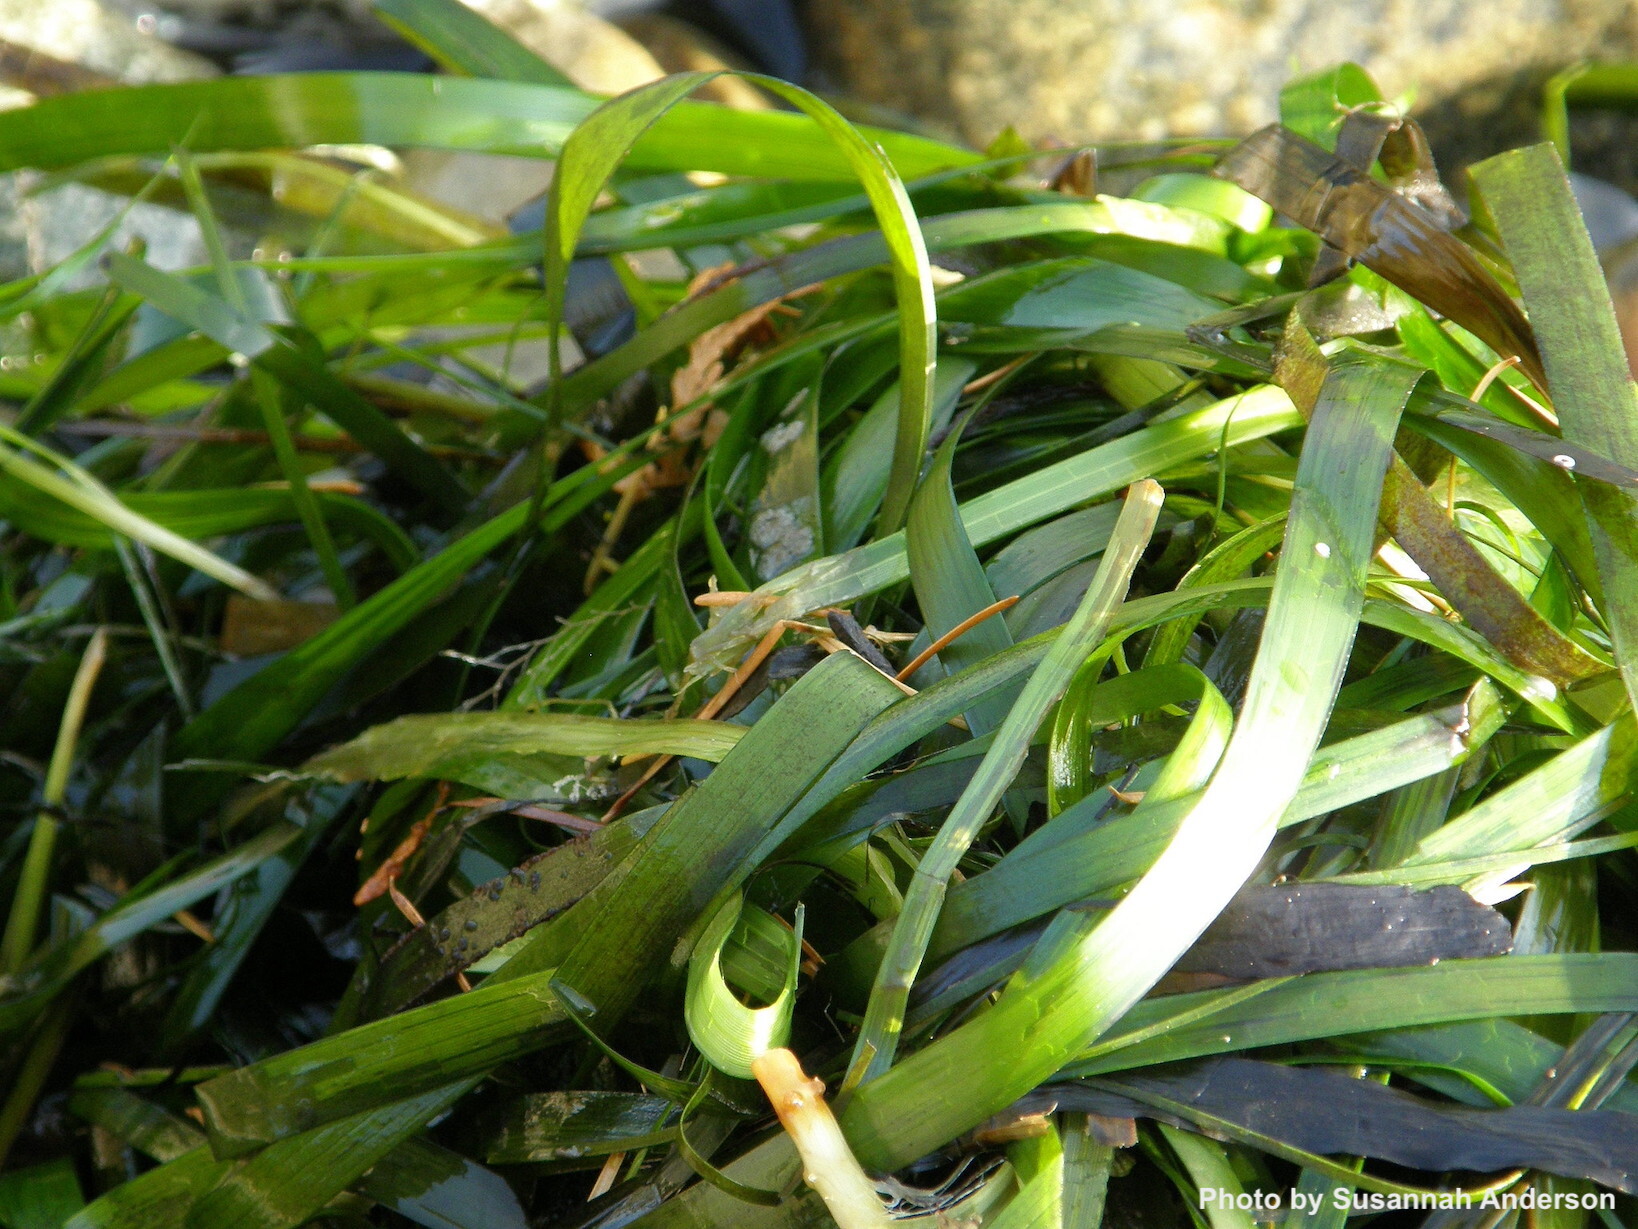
column 444, row 745
column 1087, row 971
column 407, row 109
column 729, row 1033
column 63, row 481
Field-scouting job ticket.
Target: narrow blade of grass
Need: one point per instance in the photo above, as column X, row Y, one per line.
column 409, row 110
column 1085, row 973
column 1569, row 304
column 884, row 1018
column 219, row 320
column 464, row 42
column 630, row 926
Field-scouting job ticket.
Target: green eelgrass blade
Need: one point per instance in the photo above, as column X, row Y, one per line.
column 377, row 1064
column 206, row 513
column 1086, row 973
column 629, row 927
column 1335, row 1004
column 1038, row 1166
column 282, row 1186
column 147, row 1127
column 1208, row 1168
column 588, row 158
column 950, row 583
column 1315, row 104
column 435, row 744
column 1499, row 1061
column 1070, row 483
column 161, row 1196
column 285, row 1183
column 78, row 490
column 464, row 42
column 884, row 1018
column 228, row 326
column 1484, row 869
column 1564, row 291
column 411, row 110
column 855, row 476
column 598, row 145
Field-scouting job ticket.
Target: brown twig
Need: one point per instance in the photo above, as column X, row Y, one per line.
column 960, row 629
column 378, row 883
column 412, row 915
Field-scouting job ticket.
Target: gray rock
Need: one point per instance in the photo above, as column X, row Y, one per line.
column 59, row 221
column 94, row 36
column 38, row 231
column 1112, row 69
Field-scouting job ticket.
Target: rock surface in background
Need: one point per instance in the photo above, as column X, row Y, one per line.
column 89, row 34
column 38, row 231
column 595, row 54
column 1110, row 69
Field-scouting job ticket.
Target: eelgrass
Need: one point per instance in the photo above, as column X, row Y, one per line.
column 482, row 892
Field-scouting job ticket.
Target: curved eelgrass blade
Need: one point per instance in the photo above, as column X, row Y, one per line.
column 598, row 145
column 730, row 1034
column 465, row 42
column 1086, row 973
column 1569, row 304
column 884, row 1018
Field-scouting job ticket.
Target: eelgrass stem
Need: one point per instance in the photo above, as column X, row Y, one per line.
column 35, row 882
column 31, row 1077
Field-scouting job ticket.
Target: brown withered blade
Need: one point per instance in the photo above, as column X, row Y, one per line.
column 1387, row 233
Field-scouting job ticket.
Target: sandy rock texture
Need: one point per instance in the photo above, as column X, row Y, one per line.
column 1102, row 69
